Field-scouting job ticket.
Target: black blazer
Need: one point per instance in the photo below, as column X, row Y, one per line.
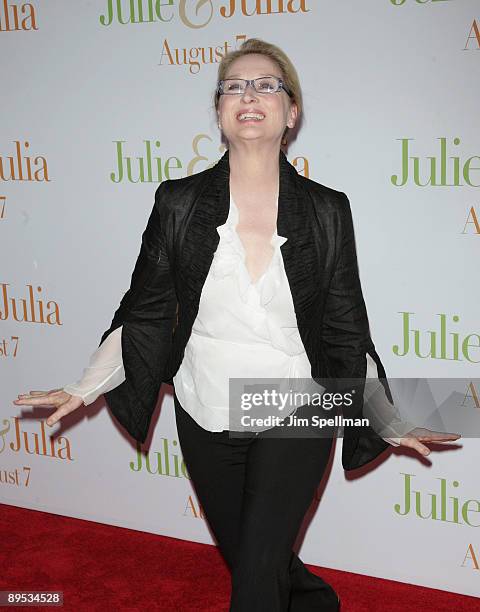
column 158, row 310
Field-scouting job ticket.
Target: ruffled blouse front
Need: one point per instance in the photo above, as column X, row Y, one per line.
column 269, row 298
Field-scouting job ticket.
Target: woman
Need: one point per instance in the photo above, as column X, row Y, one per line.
column 246, row 270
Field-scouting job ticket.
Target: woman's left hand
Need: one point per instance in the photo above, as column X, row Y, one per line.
column 418, row 437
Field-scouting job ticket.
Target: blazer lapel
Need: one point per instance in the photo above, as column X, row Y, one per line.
column 295, row 221
column 209, row 209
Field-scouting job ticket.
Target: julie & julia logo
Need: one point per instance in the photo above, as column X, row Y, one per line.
column 165, row 462
column 194, row 13
column 22, row 165
column 441, row 169
column 33, row 308
column 152, row 167
column 443, row 342
column 34, row 440
column 443, row 504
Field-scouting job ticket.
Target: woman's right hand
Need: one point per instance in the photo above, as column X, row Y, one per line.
column 63, row 401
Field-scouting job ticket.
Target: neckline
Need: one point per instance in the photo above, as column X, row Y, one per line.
column 233, row 220
column 275, row 241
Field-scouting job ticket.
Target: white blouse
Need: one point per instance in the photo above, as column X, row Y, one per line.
column 242, row 330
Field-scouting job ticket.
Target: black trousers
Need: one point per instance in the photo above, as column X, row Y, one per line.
column 255, row 492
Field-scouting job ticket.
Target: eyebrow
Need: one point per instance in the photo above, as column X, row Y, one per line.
column 236, row 76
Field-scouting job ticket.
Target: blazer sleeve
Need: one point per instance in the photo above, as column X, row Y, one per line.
column 346, row 342
column 146, row 314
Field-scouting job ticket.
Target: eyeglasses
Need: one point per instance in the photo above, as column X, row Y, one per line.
column 262, row 85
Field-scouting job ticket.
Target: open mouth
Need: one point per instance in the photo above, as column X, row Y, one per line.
column 251, row 117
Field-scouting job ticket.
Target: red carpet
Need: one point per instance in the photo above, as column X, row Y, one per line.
column 99, row 567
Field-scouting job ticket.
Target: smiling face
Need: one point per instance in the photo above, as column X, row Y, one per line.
column 251, row 115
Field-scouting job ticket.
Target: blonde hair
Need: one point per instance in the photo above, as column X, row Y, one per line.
column 287, row 69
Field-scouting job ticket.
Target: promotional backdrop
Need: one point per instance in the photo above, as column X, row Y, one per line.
column 101, row 101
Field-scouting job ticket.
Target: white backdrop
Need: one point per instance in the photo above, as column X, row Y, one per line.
column 374, row 73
